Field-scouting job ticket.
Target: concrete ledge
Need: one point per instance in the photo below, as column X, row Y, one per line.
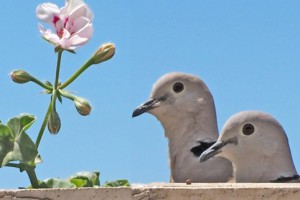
column 162, row 191
column 67, row 194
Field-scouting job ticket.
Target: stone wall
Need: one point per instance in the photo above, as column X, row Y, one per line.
column 162, row 191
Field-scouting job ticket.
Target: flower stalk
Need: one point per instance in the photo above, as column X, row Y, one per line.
column 82, row 105
column 103, row 53
column 86, row 65
column 43, row 127
column 21, row 77
column 32, row 177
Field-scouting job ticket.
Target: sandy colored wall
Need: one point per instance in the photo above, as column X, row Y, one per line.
column 160, row 191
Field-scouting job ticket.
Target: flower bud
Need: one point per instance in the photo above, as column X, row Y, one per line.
column 105, row 52
column 20, row 76
column 82, row 105
column 54, row 122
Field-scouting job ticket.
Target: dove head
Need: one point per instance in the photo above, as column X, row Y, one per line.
column 177, row 99
column 257, row 145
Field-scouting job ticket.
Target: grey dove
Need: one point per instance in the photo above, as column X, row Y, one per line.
column 258, row 147
column 185, row 107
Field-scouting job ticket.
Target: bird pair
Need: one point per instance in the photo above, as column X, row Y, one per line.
column 252, row 146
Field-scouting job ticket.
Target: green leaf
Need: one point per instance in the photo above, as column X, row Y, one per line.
column 71, row 51
column 117, row 183
column 59, row 98
column 48, row 91
column 26, row 120
column 58, row 183
column 21, row 123
column 5, row 133
column 81, row 179
column 48, row 83
column 15, row 144
column 81, row 182
column 6, row 142
column 85, row 179
column 38, row 159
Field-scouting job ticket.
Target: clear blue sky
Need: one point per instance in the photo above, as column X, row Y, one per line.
column 248, row 53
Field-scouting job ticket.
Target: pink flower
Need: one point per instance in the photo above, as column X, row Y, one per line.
column 72, row 23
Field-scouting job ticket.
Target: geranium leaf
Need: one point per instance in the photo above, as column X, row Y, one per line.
column 15, row 144
column 58, row 183
column 6, row 142
column 117, row 183
column 80, row 182
column 86, row 179
column 21, row 123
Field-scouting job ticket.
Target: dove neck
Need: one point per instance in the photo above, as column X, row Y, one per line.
column 185, row 134
column 192, row 126
column 265, row 168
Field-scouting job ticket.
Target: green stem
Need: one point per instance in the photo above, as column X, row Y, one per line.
column 57, row 69
column 47, row 87
column 67, row 95
column 29, row 170
column 33, row 178
column 13, row 165
column 77, row 73
column 44, row 124
column 52, row 102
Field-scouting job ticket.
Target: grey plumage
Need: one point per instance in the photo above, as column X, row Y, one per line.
column 185, row 107
column 258, row 147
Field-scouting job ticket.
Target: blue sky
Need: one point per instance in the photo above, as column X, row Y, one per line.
column 247, row 52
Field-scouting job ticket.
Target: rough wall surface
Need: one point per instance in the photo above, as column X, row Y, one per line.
column 161, row 191
column 67, row 194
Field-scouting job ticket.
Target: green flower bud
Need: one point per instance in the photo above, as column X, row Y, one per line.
column 82, row 105
column 20, row 76
column 54, row 122
column 105, row 52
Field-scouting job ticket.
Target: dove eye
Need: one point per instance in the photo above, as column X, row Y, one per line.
column 248, row 129
column 178, row 87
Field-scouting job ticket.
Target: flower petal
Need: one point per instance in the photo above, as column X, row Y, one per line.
column 72, row 5
column 81, row 11
column 66, row 34
column 86, row 32
column 75, row 25
column 46, row 12
column 79, row 39
column 48, row 35
column 72, row 23
column 73, row 42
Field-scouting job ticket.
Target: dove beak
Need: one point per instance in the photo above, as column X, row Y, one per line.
column 145, row 107
column 212, row 151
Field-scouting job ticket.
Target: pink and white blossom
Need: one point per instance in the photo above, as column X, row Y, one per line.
column 72, row 23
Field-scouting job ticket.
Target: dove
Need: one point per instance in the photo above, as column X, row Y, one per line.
column 185, row 107
column 258, row 147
